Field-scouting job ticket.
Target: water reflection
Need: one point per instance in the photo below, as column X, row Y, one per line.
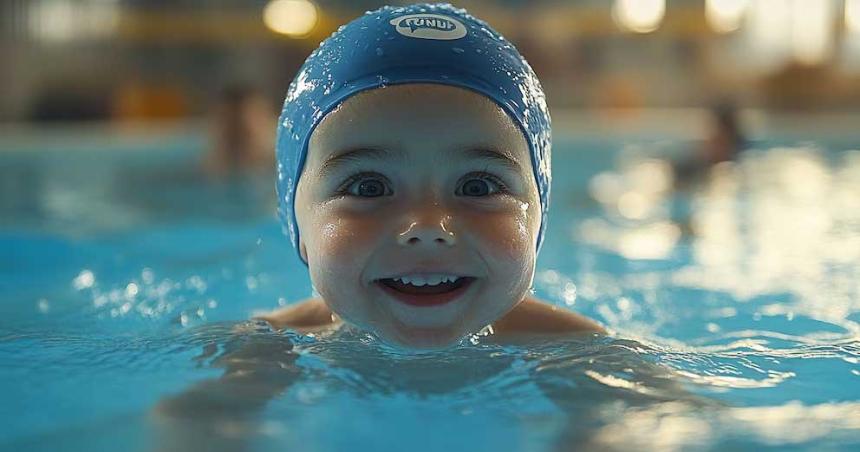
column 585, row 394
column 781, row 222
column 575, row 379
column 675, row 426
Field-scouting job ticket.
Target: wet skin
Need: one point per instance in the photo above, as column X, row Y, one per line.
column 421, row 179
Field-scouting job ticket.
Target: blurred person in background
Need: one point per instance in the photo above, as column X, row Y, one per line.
column 724, row 140
column 241, row 132
column 240, row 147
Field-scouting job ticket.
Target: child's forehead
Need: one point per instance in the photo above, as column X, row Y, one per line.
column 425, row 93
column 427, row 102
column 416, row 114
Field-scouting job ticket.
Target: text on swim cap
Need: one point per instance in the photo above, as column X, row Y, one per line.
column 436, row 23
column 429, row 26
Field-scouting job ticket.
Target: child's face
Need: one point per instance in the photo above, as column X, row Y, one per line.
column 419, row 181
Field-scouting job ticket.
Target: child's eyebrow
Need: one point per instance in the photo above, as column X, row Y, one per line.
column 487, row 154
column 354, row 155
column 491, row 155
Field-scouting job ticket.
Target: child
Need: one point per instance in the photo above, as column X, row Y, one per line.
column 413, row 177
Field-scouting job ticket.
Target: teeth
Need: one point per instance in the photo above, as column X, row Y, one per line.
column 427, row 280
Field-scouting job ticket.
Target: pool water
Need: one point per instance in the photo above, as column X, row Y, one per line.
column 734, row 307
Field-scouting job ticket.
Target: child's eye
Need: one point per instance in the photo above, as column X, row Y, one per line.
column 480, row 184
column 365, row 185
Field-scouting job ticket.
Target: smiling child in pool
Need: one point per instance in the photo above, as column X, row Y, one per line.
column 413, row 176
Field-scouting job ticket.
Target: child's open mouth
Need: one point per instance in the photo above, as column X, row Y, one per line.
column 426, row 290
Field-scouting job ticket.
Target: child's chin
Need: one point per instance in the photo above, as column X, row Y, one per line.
column 424, row 339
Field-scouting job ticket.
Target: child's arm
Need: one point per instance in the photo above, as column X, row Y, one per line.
column 305, row 317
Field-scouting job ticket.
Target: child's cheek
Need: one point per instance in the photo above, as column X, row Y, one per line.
column 344, row 238
column 509, row 234
column 341, row 248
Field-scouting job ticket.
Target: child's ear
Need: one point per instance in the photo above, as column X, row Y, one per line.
column 303, row 250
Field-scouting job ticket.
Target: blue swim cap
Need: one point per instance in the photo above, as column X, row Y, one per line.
column 424, row 43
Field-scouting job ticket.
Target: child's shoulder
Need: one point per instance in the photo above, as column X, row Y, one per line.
column 535, row 317
column 306, row 316
column 530, row 317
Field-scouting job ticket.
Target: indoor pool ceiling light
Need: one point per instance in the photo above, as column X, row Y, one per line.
column 294, row 18
column 725, row 16
column 852, row 16
column 813, row 34
column 640, row 16
column 801, row 30
column 61, row 21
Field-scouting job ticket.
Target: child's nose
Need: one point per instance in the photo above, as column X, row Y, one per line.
column 428, row 230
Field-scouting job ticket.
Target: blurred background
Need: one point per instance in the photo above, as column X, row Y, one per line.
column 158, row 60
column 134, row 111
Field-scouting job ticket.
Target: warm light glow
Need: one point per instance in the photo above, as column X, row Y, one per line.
column 641, row 16
column 768, row 33
column 725, row 16
column 65, row 20
column 651, row 176
column 53, row 20
column 634, row 205
column 852, row 16
column 294, row 18
column 606, row 187
column 771, row 21
column 783, row 221
column 798, row 29
column 655, row 241
column 850, row 53
column 812, row 30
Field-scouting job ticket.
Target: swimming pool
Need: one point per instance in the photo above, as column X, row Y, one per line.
column 734, row 306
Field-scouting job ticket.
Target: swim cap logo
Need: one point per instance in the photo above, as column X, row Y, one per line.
column 429, row 26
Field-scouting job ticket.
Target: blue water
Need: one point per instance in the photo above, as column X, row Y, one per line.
column 127, row 279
